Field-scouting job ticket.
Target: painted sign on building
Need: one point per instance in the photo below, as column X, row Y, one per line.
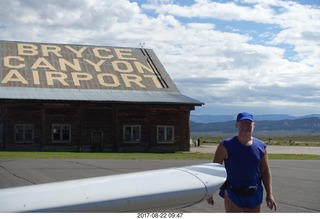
column 75, row 66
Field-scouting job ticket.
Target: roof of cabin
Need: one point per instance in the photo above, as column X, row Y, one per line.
column 43, row 71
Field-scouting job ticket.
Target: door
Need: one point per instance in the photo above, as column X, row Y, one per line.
column 96, row 141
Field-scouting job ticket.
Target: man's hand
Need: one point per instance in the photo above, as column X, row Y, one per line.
column 210, row 200
column 271, row 203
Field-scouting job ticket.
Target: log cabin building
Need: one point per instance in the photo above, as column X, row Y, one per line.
column 56, row 97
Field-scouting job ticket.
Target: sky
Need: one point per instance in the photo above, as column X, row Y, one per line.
column 260, row 56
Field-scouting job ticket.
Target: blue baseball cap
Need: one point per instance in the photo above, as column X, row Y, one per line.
column 245, row 116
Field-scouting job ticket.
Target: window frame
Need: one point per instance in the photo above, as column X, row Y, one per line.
column 24, row 127
column 61, row 134
column 165, row 137
column 132, row 139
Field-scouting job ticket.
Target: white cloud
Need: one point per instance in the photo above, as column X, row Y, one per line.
column 231, row 53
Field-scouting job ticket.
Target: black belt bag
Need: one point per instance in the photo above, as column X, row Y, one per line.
column 244, row 190
column 241, row 190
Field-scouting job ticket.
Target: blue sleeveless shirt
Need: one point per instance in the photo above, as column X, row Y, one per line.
column 243, row 162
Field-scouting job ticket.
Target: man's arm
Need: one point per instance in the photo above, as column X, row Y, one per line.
column 219, row 156
column 267, row 182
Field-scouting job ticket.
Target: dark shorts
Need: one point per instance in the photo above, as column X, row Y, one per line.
column 245, row 201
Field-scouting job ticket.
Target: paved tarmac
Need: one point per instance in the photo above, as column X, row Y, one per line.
column 271, row 149
column 296, row 183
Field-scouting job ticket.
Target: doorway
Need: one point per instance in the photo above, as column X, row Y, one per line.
column 96, row 141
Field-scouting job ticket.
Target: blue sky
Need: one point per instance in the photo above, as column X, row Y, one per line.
column 261, row 56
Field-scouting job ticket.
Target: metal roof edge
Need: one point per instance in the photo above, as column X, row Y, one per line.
column 136, row 96
column 71, row 44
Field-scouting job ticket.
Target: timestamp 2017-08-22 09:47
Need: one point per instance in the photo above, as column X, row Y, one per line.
column 160, row 215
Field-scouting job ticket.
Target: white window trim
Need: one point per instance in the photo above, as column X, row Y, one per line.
column 24, row 126
column 165, row 134
column 131, row 134
column 60, row 141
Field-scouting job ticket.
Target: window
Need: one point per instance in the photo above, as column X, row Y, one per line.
column 131, row 133
column 165, row 134
column 61, row 133
column 24, row 133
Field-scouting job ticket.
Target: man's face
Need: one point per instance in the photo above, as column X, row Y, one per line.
column 245, row 126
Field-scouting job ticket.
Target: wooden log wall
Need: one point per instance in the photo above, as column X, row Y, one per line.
column 90, row 122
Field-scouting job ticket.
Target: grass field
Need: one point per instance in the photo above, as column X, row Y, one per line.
column 137, row 156
column 312, row 140
column 292, row 141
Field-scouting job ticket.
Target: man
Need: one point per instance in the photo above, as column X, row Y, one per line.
column 246, row 162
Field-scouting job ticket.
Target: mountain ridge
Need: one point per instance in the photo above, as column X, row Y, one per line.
column 268, row 117
column 305, row 125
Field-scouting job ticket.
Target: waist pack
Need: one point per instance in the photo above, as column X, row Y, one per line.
column 241, row 190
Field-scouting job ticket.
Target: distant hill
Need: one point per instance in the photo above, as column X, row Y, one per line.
column 305, row 125
column 226, row 118
column 211, row 118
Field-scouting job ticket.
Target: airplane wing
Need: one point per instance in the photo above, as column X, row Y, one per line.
column 130, row 192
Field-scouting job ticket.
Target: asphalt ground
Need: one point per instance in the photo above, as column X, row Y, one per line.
column 296, row 183
column 271, row 149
